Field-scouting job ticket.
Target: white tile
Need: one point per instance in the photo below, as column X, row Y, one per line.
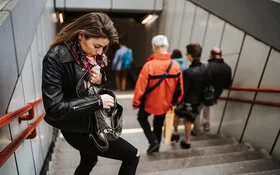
column 213, row 36
column 177, row 25
column 133, row 4
column 28, row 80
column 199, row 27
column 36, row 66
column 231, row 60
column 88, row 4
column 263, row 126
column 232, row 40
column 251, row 64
column 187, row 25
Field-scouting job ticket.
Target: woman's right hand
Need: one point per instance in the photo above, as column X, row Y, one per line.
column 107, row 101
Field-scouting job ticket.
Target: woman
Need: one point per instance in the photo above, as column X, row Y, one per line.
column 74, row 63
column 177, row 56
column 194, row 82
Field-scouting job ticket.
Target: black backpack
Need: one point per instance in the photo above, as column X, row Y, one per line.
column 208, row 90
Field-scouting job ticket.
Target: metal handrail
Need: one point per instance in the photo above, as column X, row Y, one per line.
column 29, row 108
column 269, row 90
column 11, row 148
column 28, row 133
column 266, row 103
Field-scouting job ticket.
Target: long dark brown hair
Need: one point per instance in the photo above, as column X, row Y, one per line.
column 93, row 25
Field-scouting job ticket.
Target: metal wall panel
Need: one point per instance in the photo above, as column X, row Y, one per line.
column 257, row 17
column 187, row 25
column 28, row 80
column 213, row 36
column 133, row 4
column 23, row 153
column 263, row 115
column 232, row 40
column 159, row 5
column 170, row 12
column 252, row 60
column 24, row 28
column 177, row 25
column 199, row 27
column 88, row 4
column 8, row 66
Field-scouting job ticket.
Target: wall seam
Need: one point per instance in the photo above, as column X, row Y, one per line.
column 254, row 98
column 234, row 73
column 194, row 17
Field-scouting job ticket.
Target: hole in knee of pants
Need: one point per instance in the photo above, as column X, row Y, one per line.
column 138, row 154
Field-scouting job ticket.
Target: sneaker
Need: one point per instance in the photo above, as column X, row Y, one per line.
column 206, row 127
column 154, row 147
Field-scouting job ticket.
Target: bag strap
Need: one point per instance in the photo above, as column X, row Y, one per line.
column 161, row 79
column 208, row 72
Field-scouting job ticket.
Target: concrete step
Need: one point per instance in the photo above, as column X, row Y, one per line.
column 268, row 172
column 163, row 165
column 243, row 167
column 58, row 159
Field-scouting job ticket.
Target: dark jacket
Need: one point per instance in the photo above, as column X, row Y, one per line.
column 194, row 81
column 221, row 75
column 65, row 98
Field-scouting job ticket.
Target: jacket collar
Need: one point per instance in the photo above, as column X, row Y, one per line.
column 64, row 53
column 221, row 60
column 159, row 56
column 195, row 63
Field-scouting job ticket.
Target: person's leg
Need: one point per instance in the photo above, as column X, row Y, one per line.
column 157, row 124
column 206, row 117
column 197, row 125
column 144, row 123
column 124, row 151
column 123, row 79
column 118, row 86
column 88, row 154
column 175, row 135
column 87, row 162
column 186, row 144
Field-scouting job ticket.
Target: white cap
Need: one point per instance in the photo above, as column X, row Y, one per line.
column 160, row 40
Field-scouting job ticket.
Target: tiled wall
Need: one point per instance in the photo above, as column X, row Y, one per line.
column 26, row 29
column 253, row 63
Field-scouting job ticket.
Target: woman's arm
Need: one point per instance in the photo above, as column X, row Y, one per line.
column 56, row 106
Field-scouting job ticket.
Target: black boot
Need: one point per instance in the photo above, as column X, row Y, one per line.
column 185, row 145
column 154, row 147
column 175, row 137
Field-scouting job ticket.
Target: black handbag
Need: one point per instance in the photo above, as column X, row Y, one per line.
column 208, row 90
column 187, row 110
column 106, row 124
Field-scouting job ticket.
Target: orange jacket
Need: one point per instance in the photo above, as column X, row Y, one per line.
column 159, row 100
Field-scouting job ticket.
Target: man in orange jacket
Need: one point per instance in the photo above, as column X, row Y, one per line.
column 159, row 100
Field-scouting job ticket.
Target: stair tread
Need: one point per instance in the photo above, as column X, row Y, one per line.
column 268, row 172
column 244, row 167
column 150, row 166
column 219, row 149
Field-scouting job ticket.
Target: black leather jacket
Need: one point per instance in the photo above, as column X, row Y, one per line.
column 65, row 99
column 194, row 81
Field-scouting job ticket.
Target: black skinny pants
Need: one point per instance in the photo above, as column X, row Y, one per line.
column 119, row 149
column 158, row 121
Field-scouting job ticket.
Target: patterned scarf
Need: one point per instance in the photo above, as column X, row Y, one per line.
column 82, row 59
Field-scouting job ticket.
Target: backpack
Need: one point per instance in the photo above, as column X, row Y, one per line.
column 127, row 59
column 208, row 90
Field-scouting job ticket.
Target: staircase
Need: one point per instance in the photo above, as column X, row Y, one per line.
column 210, row 155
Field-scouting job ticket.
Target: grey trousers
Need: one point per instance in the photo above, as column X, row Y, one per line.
column 202, row 118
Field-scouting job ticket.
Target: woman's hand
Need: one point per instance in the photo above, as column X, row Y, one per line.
column 107, row 101
column 96, row 76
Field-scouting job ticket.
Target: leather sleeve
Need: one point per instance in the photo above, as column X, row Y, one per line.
column 57, row 108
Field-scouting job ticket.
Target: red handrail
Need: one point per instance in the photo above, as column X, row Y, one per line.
column 8, row 118
column 266, row 103
column 272, row 90
column 11, row 148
